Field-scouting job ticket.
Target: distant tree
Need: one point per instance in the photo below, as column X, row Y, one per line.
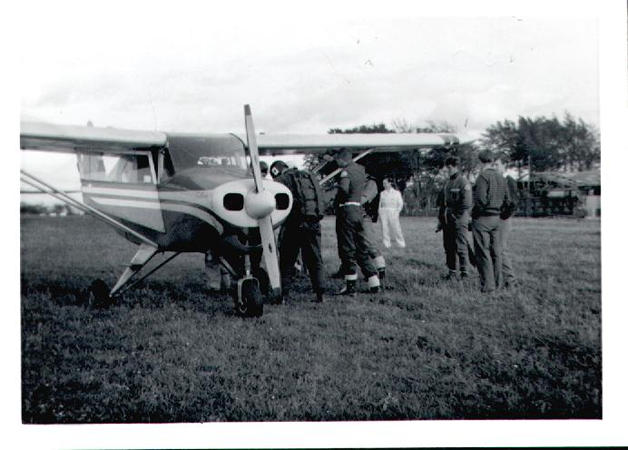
column 548, row 144
column 407, row 167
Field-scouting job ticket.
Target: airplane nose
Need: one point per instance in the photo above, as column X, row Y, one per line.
column 259, row 204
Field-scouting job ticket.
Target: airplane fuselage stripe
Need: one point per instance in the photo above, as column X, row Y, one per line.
column 192, row 209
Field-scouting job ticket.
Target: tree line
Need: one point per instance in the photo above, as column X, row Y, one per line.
column 540, row 144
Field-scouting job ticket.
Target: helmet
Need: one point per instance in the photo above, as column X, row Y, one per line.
column 277, row 168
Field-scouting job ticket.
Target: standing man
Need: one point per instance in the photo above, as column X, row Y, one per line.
column 455, row 203
column 352, row 244
column 302, row 228
column 390, row 206
column 489, row 194
column 508, row 210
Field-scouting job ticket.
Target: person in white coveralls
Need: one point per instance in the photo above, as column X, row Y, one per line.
column 390, row 205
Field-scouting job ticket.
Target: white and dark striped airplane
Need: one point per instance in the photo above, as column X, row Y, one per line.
column 173, row 192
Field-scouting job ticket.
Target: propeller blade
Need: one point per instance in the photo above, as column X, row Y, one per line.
column 270, row 255
column 265, row 223
column 252, row 144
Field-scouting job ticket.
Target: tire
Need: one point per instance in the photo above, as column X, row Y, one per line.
column 99, row 294
column 264, row 280
column 251, row 301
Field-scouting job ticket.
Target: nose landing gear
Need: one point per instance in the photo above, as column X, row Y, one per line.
column 249, row 301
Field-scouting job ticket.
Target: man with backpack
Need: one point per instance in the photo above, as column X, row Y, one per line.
column 302, row 229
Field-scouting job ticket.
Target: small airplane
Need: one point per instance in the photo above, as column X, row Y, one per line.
column 174, row 192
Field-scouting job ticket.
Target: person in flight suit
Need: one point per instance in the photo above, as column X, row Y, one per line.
column 302, row 228
column 352, row 243
column 390, row 206
column 489, row 194
column 455, row 203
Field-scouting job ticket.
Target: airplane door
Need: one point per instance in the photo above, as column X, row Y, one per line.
column 123, row 185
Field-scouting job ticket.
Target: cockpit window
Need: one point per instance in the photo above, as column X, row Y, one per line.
column 210, row 161
column 216, row 150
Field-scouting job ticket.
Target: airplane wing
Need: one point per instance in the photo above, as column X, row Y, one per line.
column 295, row 144
column 71, row 139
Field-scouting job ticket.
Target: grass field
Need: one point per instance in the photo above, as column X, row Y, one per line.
column 427, row 349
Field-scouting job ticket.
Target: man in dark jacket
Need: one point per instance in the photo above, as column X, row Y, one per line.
column 302, row 228
column 455, row 202
column 352, row 242
column 489, row 194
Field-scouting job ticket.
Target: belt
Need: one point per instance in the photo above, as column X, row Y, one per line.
column 350, row 204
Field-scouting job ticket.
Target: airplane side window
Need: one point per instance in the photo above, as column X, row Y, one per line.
column 127, row 168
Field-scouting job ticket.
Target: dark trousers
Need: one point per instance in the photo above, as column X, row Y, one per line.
column 306, row 237
column 353, row 247
column 369, row 237
column 508, row 272
column 455, row 242
column 488, row 251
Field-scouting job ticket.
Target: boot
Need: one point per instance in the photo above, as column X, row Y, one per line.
column 349, row 287
column 380, row 265
column 381, row 273
column 318, row 298
column 374, row 284
column 451, row 276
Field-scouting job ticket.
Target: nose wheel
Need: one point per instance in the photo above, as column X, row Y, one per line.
column 249, row 301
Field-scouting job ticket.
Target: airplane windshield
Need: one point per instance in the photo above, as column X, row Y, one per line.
column 214, row 161
column 219, row 150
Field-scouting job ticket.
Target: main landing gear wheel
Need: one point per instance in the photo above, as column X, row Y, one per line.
column 99, row 294
column 249, row 301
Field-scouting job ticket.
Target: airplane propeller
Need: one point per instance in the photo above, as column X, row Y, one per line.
column 259, row 205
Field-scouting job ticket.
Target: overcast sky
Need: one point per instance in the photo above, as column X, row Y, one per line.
column 179, row 69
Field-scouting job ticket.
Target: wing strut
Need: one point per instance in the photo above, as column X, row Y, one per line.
column 337, row 171
column 60, row 195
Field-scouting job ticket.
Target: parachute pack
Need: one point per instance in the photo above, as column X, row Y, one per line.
column 307, row 194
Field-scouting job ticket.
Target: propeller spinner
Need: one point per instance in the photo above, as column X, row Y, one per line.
column 259, row 205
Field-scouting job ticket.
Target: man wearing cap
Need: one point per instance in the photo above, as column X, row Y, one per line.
column 352, row 245
column 455, row 203
column 489, row 194
column 302, row 228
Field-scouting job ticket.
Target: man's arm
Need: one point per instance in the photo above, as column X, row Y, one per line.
column 370, row 192
column 480, row 195
column 467, row 199
column 344, row 182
